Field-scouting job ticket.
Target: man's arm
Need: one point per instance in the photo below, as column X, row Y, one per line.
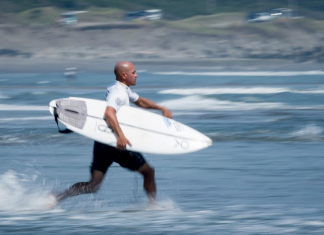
column 111, row 118
column 149, row 104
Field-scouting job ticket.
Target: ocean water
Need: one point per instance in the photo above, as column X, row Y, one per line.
column 263, row 174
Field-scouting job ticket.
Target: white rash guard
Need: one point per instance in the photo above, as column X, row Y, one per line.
column 119, row 94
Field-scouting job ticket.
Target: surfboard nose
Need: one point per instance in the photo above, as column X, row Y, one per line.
column 202, row 137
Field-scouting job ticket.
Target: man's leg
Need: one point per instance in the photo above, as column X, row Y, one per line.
column 149, row 181
column 83, row 187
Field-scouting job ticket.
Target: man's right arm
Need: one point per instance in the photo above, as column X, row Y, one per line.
column 111, row 118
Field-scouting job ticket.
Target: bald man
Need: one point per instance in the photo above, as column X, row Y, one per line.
column 117, row 95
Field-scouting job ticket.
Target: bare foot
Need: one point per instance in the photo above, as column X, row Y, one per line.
column 152, row 200
column 52, row 201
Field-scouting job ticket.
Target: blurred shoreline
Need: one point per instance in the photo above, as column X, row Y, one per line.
column 97, row 48
column 36, row 65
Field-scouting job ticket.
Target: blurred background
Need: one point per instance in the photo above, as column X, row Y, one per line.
column 248, row 74
column 231, row 33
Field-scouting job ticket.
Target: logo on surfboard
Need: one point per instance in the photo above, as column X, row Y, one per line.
column 167, row 121
column 105, row 129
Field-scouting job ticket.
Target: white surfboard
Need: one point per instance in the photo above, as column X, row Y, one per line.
column 148, row 132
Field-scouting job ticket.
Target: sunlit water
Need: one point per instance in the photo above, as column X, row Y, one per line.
column 263, row 174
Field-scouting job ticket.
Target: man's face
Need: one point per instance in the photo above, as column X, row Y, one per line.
column 130, row 75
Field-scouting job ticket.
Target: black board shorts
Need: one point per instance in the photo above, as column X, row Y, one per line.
column 104, row 155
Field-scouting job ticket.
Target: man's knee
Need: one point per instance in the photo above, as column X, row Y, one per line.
column 152, row 171
column 147, row 171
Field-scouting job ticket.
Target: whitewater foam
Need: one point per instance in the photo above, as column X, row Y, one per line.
column 165, row 204
column 244, row 73
column 9, row 139
column 17, row 195
column 26, row 118
column 141, row 71
column 43, row 82
column 196, row 102
column 7, row 107
column 240, row 90
column 201, row 103
column 310, row 131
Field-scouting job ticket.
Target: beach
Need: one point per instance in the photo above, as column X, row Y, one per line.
column 98, row 47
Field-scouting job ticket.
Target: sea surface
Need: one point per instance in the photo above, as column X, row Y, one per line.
column 264, row 173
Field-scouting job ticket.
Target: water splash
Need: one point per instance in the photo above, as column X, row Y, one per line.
column 18, row 192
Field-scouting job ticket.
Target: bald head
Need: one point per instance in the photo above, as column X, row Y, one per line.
column 120, row 67
column 125, row 72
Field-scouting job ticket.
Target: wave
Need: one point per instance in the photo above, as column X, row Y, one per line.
column 244, row 73
column 7, row 107
column 4, row 97
column 240, row 90
column 43, row 82
column 39, row 93
column 199, row 103
column 26, row 118
column 310, row 131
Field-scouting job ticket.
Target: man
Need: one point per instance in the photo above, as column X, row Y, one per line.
column 117, row 95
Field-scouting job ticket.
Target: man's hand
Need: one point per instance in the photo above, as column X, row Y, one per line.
column 112, row 120
column 149, row 104
column 167, row 113
column 122, row 141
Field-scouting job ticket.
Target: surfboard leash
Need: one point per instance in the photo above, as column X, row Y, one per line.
column 66, row 131
column 135, row 187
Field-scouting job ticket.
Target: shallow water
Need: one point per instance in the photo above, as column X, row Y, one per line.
column 263, row 174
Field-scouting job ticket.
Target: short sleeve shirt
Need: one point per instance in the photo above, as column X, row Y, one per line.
column 118, row 94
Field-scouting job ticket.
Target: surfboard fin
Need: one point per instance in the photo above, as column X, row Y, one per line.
column 66, row 131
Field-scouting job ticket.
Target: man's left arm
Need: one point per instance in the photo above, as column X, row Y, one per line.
column 149, row 104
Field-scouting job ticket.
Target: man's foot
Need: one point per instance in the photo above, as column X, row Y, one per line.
column 52, row 201
column 152, row 200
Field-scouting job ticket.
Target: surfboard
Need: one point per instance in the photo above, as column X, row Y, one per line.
column 147, row 131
